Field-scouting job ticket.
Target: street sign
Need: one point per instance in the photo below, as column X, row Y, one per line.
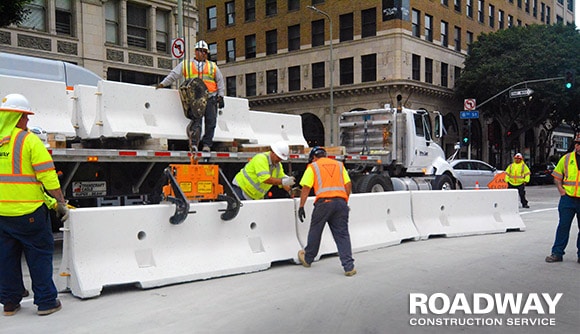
column 469, row 114
column 521, row 93
column 178, row 48
column 469, row 104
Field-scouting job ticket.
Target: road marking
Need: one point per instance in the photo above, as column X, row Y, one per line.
column 540, row 210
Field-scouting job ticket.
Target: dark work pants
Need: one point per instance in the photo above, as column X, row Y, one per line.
column 335, row 212
column 521, row 191
column 210, row 121
column 32, row 235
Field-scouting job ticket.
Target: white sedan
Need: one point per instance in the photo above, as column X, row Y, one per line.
column 473, row 172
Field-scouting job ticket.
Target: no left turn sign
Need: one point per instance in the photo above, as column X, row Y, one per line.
column 469, row 104
column 178, row 48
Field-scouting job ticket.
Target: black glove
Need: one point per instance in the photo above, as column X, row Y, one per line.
column 301, row 214
column 220, row 102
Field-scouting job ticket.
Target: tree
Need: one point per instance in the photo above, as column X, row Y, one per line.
column 13, row 12
column 501, row 59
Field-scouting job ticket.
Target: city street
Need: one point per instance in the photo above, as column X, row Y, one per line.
column 289, row 298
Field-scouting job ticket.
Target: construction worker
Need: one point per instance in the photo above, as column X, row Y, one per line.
column 567, row 179
column 208, row 71
column 517, row 175
column 332, row 187
column 262, row 172
column 26, row 172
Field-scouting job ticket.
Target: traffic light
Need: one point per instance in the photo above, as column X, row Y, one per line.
column 569, row 79
column 465, row 138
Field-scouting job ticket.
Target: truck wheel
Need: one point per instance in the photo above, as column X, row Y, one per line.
column 373, row 183
column 443, row 182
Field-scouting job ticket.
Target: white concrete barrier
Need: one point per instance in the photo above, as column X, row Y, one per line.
column 271, row 127
column 50, row 101
column 84, row 109
column 465, row 212
column 233, row 121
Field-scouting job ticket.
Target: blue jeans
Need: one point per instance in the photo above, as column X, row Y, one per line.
column 210, row 121
column 335, row 212
column 567, row 209
column 30, row 234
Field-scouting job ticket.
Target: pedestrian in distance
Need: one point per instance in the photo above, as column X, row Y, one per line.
column 567, row 179
column 262, row 172
column 201, row 67
column 332, row 188
column 517, row 175
column 26, row 172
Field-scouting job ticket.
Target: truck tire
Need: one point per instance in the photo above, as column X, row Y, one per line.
column 443, row 182
column 373, row 183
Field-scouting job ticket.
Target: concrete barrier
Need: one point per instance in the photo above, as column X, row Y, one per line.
column 234, row 122
column 465, row 212
column 84, row 109
column 271, row 127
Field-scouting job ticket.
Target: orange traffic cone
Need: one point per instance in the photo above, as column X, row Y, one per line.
column 476, row 185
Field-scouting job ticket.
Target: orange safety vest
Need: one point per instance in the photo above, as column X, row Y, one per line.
column 567, row 172
column 208, row 73
column 328, row 179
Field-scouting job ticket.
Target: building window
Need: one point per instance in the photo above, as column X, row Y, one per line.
column 272, row 82
column 444, row 33
column 542, row 12
column 63, row 16
column 457, row 5
column 469, row 8
column 36, row 18
column 294, row 78
column 112, row 22
column 230, row 50
column 416, row 22
column 416, row 67
column 346, row 71
column 212, row 52
column 456, row 74
column 444, row 75
column 271, row 7
column 480, row 9
column 500, row 19
column 491, row 15
column 294, row 37
column 137, row 33
column 318, row 75
column 548, row 15
column 527, row 6
column 444, row 3
column 271, row 42
column 369, row 22
column 369, row 67
column 510, row 21
column 230, row 13
column 428, row 28
column 251, row 84
column 457, row 39
column 469, row 40
column 250, row 10
column 250, row 46
column 535, row 8
column 317, row 33
column 161, row 34
column 346, row 27
column 231, row 86
column 571, row 5
column 212, row 18
column 293, row 5
column 428, row 70
column 519, row 3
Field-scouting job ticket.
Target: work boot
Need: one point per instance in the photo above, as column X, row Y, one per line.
column 25, row 294
column 525, row 206
column 350, row 272
column 51, row 310
column 553, row 258
column 206, row 148
column 302, row 259
column 11, row 309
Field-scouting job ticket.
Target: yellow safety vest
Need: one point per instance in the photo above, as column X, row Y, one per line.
column 517, row 174
column 208, row 74
column 25, row 167
column 251, row 178
column 328, row 179
column 567, row 171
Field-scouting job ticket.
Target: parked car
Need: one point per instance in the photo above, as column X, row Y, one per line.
column 542, row 173
column 472, row 172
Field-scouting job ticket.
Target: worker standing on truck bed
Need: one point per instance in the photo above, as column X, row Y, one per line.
column 332, row 187
column 262, row 172
column 208, row 71
column 26, row 171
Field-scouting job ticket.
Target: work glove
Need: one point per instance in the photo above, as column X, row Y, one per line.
column 288, row 181
column 301, row 214
column 62, row 211
column 220, row 102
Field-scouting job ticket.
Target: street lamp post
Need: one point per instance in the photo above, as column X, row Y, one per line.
column 331, row 68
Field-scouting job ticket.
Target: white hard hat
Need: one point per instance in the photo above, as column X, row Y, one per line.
column 281, row 149
column 519, row 155
column 202, row 45
column 16, row 102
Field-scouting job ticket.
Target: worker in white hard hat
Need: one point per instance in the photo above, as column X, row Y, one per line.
column 262, row 172
column 201, row 67
column 517, row 176
column 26, row 172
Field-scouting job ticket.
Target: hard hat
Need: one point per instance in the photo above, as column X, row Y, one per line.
column 16, row 102
column 519, row 155
column 281, row 149
column 316, row 151
column 202, row 45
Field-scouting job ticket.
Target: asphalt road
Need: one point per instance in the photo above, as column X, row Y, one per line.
column 291, row 299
